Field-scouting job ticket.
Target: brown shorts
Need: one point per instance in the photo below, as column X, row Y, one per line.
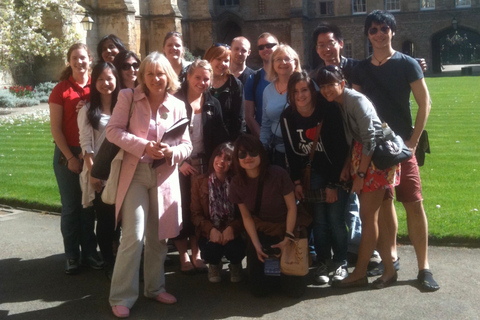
column 410, row 187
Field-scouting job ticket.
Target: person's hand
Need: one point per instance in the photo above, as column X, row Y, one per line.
column 166, row 150
column 227, row 235
column 97, row 184
column 186, row 169
column 357, row 185
column 153, row 150
column 345, row 174
column 260, row 254
column 299, row 192
column 215, row 236
column 423, row 64
column 282, row 244
column 80, row 105
column 75, row 165
column 332, row 195
column 411, row 145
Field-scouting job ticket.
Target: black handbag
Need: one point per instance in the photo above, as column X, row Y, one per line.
column 103, row 159
column 390, row 149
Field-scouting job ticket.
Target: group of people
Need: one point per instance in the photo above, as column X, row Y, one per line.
column 257, row 143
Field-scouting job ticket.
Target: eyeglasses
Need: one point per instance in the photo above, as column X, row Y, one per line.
column 329, row 85
column 218, row 44
column 266, row 45
column 329, row 45
column 242, row 154
column 374, row 30
column 284, row 60
column 127, row 66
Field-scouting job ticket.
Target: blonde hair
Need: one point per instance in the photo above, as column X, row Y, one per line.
column 285, row 49
column 198, row 63
column 153, row 60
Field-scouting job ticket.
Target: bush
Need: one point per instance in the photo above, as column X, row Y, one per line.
column 9, row 100
column 21, row 91
column 43, row 90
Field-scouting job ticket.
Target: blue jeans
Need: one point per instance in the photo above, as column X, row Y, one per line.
column 76, row 223
column 329, row 227
column 352, row 216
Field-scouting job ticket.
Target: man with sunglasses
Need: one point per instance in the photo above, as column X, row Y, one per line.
column 238, row 65
column 387, row 78
column 256, row 83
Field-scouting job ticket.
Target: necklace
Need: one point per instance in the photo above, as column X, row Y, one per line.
column 281, row 91
column 384, row 59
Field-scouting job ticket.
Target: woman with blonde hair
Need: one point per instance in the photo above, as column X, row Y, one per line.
column 284, row 61
column 227, row 89
column 206, row 131
column 148, row 198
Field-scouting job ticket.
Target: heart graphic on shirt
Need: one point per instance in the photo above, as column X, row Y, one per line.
column 310, row 133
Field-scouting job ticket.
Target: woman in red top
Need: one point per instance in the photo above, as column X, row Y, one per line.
column 77, row 224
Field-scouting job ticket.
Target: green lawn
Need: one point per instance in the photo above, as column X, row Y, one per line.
column 450, row 177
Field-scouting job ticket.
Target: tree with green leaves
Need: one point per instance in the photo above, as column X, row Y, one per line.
column 24, row 35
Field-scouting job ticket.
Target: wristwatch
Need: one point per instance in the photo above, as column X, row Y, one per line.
column 361, row 174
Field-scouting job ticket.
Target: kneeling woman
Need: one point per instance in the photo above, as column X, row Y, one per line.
column 217, row 220
column 362, row 125
column 265, row 197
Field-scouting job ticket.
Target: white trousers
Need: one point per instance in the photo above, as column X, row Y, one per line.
column 139, row 223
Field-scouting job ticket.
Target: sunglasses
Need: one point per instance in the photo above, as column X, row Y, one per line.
column 383, row 29
column 242, row 154
column 266, row 45
column 218, row 44
column 127, row 66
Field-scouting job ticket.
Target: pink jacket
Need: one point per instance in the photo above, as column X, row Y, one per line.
column 134, row 141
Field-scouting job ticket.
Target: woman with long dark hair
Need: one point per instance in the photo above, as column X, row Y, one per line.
column 92, row 121
column 108, row 47
column 127, row 64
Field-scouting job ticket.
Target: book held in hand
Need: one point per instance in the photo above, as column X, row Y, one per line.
column 172, row 137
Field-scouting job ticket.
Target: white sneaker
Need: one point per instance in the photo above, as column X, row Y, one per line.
column 214, row 273
column 321, row 274
column 340, row 274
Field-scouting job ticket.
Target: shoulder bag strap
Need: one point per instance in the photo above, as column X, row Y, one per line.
column 132, row 105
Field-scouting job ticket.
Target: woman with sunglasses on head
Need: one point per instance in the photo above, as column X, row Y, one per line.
column 127, row 64
column 306, row 113
column 227, row 89
column 148, row 197
column 109, row 47
column 265, row 196
column 77, row 223
column 284, row 61
column 174, row 50
column 362, row 126
column 92, row 121
column 218, row 222
column 206, row 131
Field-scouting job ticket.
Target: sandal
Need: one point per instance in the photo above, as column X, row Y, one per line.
column 426, row 281
column 200, row 266
column 380, row 283
column 187, row 268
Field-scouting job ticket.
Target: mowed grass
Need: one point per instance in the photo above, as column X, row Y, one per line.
column 451, row 174
column 26, row 165
column 450, row 177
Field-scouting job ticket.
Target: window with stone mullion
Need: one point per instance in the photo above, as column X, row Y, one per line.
column 359, row 6
column 392, row 5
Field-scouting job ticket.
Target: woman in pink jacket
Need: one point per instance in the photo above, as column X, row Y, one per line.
column 148, row 199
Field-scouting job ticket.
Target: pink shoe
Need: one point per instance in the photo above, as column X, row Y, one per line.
column 166, row 298
column 121, row 311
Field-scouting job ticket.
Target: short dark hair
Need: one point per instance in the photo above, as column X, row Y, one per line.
column 116, row 41
column 380, row 17
column 249, row 143
column 120, row 58
column 329, row 74
column 326, row 27
column 292, row 82
column 227, row 148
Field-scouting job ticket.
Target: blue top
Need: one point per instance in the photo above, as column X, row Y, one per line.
column 258, row 99
column 273, row 105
